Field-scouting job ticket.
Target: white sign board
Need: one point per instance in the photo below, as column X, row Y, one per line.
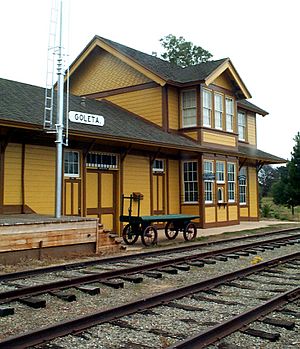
column 83, row 118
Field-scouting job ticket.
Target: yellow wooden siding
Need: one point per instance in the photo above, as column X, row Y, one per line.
column 92, row 189
column 193, row 135
column 101, row 72
column 253, row 192
column 223, row 81
column 232, row 213
column 221, row 214
column 174, row 189
column 136, row 178
column 244, row 212
column 173, row 108
column 192, row 210
column 251, row 126
column 216, row 138
column 146, row 103
column 107, row 182
column 68, row 196
column 108, row 221
column 13, row 175
column 210, row 214
column 40, row 179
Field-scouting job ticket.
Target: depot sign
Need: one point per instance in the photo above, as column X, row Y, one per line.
column 83, row 118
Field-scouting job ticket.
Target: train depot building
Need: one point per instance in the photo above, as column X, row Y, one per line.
column 185, row 138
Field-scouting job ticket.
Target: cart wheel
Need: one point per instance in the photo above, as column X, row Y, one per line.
column 170, row 231
column 190, row 232
column 129, row 236
column 149, row 236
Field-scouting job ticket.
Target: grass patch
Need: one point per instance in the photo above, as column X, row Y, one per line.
column 271, row 210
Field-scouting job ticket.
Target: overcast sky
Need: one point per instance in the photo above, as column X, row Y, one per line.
column 261, row 37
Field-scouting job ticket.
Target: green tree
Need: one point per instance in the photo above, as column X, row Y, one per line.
column 182, row 52
column 266, row 178
column 287, row 190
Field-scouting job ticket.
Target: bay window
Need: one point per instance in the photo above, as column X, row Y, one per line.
column 208, row 181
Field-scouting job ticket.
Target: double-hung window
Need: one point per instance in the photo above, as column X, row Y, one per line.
column 218, row 111
column 231, row 181
column 229, row 114
column 208, row 181
column 207, row 107
column 189, row 108
column 190, row 181
column 71, row 164
column 220, row 172
column 243, row 186
column 242, row 125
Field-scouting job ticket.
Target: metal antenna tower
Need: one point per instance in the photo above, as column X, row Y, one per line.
column 56, row 56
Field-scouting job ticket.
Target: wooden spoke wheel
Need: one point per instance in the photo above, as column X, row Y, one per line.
column 129, row 235
column 171, row 231
column 190, row 232
column 149, row 236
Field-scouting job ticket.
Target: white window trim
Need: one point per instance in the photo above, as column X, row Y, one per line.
column 209, row 181
column 157, row 169
column 183, row 182
column 222, row 191
column 218, row 181
column 244, row 126
column 234, row 182
column 195, row 107
column 219, row 111
column 228, row 114
column 210, row 109
column 72, row 175
column 245, row 186
column 106, row 167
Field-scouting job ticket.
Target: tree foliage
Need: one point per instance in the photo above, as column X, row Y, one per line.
column 287, row 189
column 266, row 178
column 181, row 52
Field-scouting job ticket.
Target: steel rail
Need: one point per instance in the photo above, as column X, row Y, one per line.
column 215, row 333
column 70, row 266
column 80, row 324
column 12, row 295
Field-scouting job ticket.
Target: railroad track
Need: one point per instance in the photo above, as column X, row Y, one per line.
column 13, row 288
column 191, row 316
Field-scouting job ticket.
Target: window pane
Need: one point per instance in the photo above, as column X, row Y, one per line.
column 190, row 181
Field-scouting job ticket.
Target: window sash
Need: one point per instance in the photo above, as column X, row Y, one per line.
column 208, row 183
column 71, row 164
column 243, row 186
column 220, row 172
column 218, row 111
column 231, row 181
column 189, row 108
column 242, row 126
column 106, row 161
column 229, row 114
column 207, row 108
column 158, row 166
column 190, row 181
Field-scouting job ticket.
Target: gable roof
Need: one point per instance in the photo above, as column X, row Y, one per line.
column 170, row 73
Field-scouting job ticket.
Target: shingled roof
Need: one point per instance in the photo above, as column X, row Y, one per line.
column 252, row 107
column 166, row 70
column 23, row 104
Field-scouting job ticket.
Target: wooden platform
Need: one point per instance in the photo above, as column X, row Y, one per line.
column 31, row 235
